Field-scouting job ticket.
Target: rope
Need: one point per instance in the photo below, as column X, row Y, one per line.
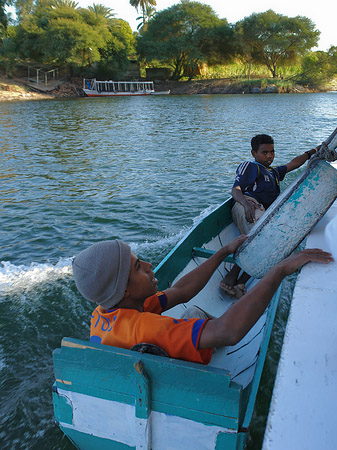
column 325, row 153
column 328, row 148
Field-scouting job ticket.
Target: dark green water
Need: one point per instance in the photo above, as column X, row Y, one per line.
column 141, row 169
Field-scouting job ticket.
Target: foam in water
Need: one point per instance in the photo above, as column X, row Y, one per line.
column 12, row 276
column 19, row 276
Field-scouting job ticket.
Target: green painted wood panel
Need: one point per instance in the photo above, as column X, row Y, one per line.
column 231, row 441
column 202, row 233
column 63, row 411
column 90, row 442
column 142, row 391
column 189, row 390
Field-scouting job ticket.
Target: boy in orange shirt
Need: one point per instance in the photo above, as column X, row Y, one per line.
column 129, row 305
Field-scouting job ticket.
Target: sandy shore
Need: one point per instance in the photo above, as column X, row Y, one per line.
column 13, row 90
column 17, row 90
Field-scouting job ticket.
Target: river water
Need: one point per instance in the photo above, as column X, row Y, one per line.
column 141, row 169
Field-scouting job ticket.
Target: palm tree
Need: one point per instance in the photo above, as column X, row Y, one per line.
column 143, row 4
column 60, row 3
column 149, row 13
column 101, row 10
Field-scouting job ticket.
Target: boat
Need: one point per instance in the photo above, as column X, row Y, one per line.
column 94, row 88
column 112, row 398
column 303, row 405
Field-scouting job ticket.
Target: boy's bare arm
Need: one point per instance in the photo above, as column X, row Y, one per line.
column 190, row 284
column 235, row 323
column 298, row 161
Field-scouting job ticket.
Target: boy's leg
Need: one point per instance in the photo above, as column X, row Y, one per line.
column 231, row 284
column 194, row 312
column 239, row 217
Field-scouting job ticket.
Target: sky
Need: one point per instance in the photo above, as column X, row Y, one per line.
column 322, row 13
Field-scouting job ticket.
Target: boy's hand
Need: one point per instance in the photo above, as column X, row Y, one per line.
column 235, row 243
column 250, row 208
column 299, row 259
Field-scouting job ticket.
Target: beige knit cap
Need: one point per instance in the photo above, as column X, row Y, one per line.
column 101, row 272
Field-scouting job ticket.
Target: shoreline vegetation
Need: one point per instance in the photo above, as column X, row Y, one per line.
column 18, row 89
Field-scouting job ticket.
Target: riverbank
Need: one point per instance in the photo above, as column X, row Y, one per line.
column 14, row 90
column 17, row 90
column 227, row 86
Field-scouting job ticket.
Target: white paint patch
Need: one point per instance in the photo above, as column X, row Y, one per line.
column 102, row 418
column 116, row 421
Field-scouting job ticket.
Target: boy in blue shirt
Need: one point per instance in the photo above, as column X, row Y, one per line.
column 256, row 186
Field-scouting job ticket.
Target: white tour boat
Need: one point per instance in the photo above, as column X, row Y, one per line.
column 94, row 88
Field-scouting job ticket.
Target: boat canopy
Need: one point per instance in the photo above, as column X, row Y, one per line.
column 118, row 86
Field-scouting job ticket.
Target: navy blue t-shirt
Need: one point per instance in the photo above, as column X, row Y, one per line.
column 260, row 182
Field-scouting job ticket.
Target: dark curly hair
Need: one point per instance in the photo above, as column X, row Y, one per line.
column 260, row 139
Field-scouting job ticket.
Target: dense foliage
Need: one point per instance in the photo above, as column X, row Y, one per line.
column 186, row 37
column 273, row 39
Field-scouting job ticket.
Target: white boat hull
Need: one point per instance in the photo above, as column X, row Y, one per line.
column 93, row 93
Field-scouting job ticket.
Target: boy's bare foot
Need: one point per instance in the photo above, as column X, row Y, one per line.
column 227, row 288
column 240, row 290
column 236, row 291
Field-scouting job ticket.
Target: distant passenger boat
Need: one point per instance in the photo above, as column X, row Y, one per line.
column 94, row 88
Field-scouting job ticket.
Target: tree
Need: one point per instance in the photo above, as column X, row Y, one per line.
column 143, row 5
column 114, row 56
column 23, row 8
column 273, row 39
column 184, row 36
column 60, row 3
column 9, row 50
column 318, row 68
column 149, row 13
column 62, row 36
column 3, row 18
column 101, row 10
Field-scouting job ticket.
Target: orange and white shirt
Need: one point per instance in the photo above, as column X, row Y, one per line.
column 126, row 327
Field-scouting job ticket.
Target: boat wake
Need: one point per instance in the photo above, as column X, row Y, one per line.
column 12, row 276
column 27, row 276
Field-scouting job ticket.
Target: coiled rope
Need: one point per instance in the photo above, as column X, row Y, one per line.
column 327, row 150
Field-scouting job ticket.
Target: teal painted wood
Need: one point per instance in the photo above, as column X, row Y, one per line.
column 91, row 442
column 254, row 387
column 188, row 390
column 204, row 253
column 231, row 441
column 290, row 218
column 142, row 407
column 202, row 233
column 63, row 411
column 142, row 394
